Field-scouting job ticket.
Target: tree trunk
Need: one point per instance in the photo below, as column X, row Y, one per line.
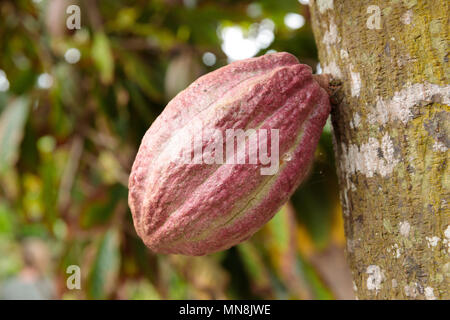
column 392, row 134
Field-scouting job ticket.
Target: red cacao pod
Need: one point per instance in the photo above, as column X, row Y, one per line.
column 200, row 207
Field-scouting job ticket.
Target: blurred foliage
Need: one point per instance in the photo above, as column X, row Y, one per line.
column 69, row 134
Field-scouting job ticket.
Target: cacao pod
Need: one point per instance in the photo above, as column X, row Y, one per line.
column 201, row 206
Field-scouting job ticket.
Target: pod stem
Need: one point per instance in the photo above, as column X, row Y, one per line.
column 330, row 85
column 324, row 81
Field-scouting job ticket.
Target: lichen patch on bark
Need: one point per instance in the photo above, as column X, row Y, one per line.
column 324, row 5
column 375, row 277
column 370, row 158
column 400, row 106
column 355, row 82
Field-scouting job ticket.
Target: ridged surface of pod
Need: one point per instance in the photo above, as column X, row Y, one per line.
column 200, row 207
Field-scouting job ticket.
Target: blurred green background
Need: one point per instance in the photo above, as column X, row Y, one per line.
column 74, row 105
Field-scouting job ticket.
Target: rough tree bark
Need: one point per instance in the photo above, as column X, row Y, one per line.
column 392, row 134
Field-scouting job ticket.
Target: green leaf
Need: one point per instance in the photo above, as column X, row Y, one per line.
column 23, row 82
column 280, row 231
column 259, row 275
column 140, row 73
column 101, row 209
column 320, row 290
column 103, row 57
column 12, row 123
column 6, row 219
column 105, row 268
